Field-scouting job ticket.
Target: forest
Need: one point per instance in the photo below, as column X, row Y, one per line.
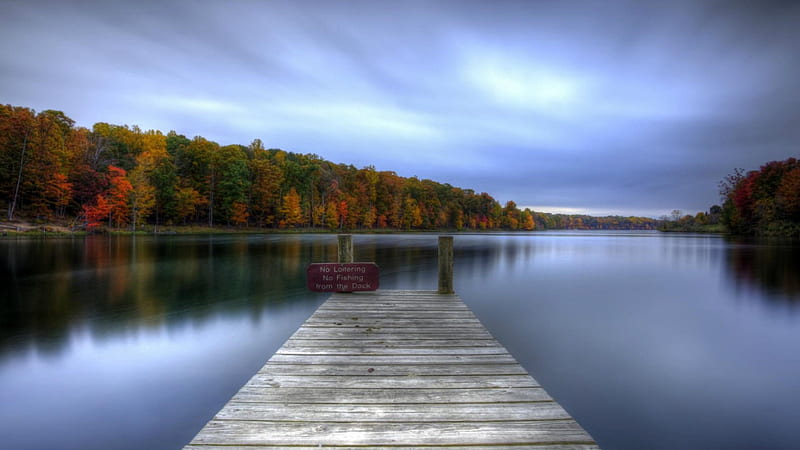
column 114, row 177
column 763, row 202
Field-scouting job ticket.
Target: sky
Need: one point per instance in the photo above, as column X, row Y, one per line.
column 598, row 107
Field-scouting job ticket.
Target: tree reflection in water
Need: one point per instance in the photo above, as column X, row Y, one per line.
column 773, row 267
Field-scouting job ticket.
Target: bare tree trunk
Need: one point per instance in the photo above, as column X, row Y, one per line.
column 13, row 204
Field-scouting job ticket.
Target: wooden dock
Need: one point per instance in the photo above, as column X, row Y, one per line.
column 399, row 369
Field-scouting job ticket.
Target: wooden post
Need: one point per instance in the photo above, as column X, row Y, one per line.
column 345, row 248
column 446, row 265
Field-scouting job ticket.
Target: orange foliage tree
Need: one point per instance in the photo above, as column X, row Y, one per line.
column 291, row 212
column 239, row 214
column 117, row 197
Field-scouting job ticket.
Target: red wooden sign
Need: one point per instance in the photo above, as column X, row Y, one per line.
column 347, row 277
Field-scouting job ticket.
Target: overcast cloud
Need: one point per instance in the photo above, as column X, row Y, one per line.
column 591, row 106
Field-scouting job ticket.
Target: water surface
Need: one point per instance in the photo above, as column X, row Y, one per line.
column 648, row 340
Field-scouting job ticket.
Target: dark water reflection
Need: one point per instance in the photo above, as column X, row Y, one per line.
column 769, row 267
column 649, row 340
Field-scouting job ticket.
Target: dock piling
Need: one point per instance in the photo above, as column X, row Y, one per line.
column 446, row 265
column 345, row 253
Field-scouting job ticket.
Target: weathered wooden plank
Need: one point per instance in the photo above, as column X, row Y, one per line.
column 433, row 300
column 410, row 306
column 412, row 434
column 393, row 370
column 396, row 343
column 381, row 382
column 397, row 359
column 414, row 305
column 425, row 331
column 391, row 295
column 391, row 292
column 465, row 412
column 389, row 333
column 394, row 323
column 355, row 316
column 365, row 297
column 318, row 395
column 386, row 351
column 393, row 306
column 373, row 447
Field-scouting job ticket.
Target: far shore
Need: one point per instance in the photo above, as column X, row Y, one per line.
column 23, row 228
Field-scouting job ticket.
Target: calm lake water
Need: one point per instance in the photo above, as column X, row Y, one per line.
column 649, row 340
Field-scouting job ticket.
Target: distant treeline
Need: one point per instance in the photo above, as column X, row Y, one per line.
column 115, row 176
column 704, row 221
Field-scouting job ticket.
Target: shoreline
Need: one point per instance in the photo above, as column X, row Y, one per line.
column 51, row 230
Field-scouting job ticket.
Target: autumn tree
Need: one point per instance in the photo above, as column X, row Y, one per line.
column 187, row 202
column 239, row 214
column 85, row 173
column 266, row 179
column 291, row 211
column 511, row 216
column 198, row 168
column 116, row 145
column 233, row 183
column 787, row 195
column 526, row 220
column 412, row 217
column 342, row 212
column 117, row 196
column 332, row 215
column 163, row 177
column 17, row 125
column 142, row 194
column 96, row 213
column 763, row 201
column 59, row 192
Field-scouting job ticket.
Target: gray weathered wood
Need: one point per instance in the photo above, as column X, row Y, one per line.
column 396, row 343
column 465, row 412
column 345, row 248
column 390, row 333
column 390, row 351
column 392, row 369
column 446, row 264
column 383, row 382
column 240, row 432
column 352, row 316
column 392, row 359
column 377, row 447
column 315, row 395
column 394, row 323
